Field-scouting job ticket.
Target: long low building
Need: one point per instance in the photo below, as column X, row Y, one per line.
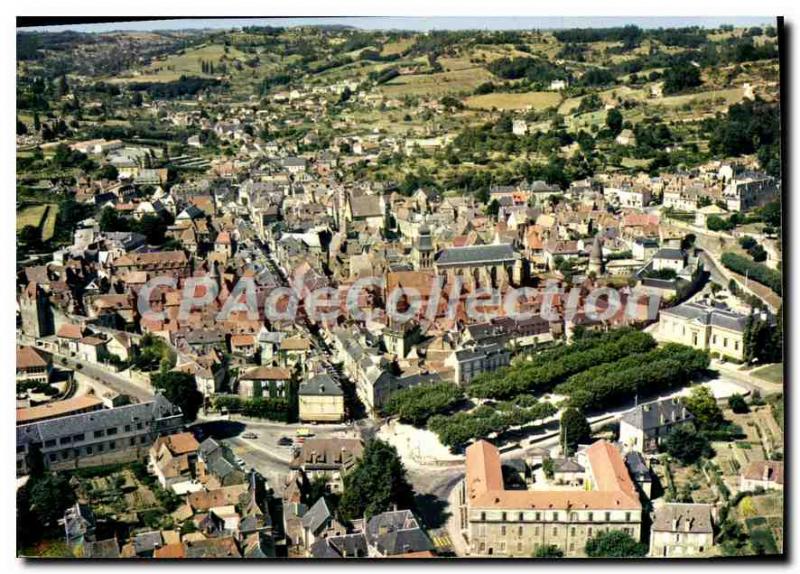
column 106, row 436
column 500, row 522
column 57, row 409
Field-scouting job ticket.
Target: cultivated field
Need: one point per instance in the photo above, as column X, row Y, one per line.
column 188, row 63
column 454, row 82
column 32, row 215
column 521, row 101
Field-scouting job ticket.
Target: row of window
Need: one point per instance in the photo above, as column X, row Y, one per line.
column 572, row 517
column 80, row 437
column 502, row 544
column 98, row 448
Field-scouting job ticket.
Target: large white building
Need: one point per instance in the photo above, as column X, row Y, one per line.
column 712, row 328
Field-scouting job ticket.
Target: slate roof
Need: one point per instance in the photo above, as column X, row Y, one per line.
column 476, row 255
column 316, row 517
column 683, row 517
column 147, row 541
column 397, row 532
column 86, row 423
column 669, row 253
column 637, row 467
column 705, row 314
column 657, row 414
column 321, row 385
column 346, row 546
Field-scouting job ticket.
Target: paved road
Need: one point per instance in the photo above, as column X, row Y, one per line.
column 106, row 376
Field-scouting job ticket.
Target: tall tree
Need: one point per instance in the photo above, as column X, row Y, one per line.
column 180, row 389
column 574, row 429
column 614, row 544
column 376, row 483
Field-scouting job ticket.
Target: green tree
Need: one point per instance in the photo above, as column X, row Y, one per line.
column 376, row 483
column 49, row 496
column 107, row 171
column 180, row 389
column 614, row 121
column 110, row 220
column 574, row 429
column 685, row 444
column 702, row 404
column 737, row 404
column 548, row 551
column 614, row 544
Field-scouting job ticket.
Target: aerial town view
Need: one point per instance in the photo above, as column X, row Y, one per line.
column 368, row 288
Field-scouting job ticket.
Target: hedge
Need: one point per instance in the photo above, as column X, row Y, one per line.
column 755, row 271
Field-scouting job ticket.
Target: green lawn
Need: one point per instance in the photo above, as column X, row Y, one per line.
column 770, row 373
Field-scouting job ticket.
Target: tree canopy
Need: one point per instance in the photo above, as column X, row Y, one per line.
column 377, row 482
column 614, row 544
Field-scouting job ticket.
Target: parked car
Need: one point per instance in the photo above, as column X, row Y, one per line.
column 285, row 441
column 250, row 435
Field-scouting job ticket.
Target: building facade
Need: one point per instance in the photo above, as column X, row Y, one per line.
column 515, row 523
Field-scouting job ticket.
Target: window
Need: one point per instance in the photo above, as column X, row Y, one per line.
column 132, row 441
column 112, row 445
column 555, row 517
column 100, row 447
column 536, row 531
column 504, row 519
column 65, row 440
column 589, row 532
column 519, row 531
column 127, row 428
column 483, row 516
column 608, row 517
column 112, row 431
column 503, row 530
column 50, row 442
column 555, row 530
column 572, row 531
column 99, row 433
column 572, row 547
column 627, row 517
column 736, row 345
column 519, row 547
column 538, row 516
column 78, row 437
column 725, row 342
column 521, row 517
column 88, row 450
column 591, row 516
column 52, row 456
column 138, row 426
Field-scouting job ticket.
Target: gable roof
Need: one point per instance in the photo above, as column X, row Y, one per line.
column 29, row 358
column 321, row 385
column 612, row 487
